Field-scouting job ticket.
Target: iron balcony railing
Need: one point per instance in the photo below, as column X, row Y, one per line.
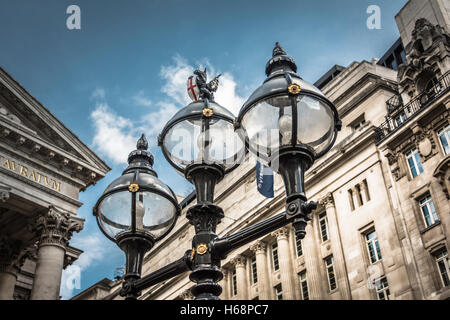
column 399, row 114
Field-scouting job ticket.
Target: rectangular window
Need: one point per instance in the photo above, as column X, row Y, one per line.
column 279, row 292
column 276, row 265
column 323, row 223
column 254, row 271
column 329, row 264
column 298, row 244
column 234, row 282
column 414, row 163
column 443, row 263
column 444, row 137
column 428, row 211
column 400, row 119
column 373, row 247
column 382, row 288
column 303, row 285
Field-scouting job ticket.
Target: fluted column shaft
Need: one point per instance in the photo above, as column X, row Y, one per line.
column 55, row 228
column 241, row 277
column 312, row 263
column 259, row 249
column 286, row 269
column 338, row 253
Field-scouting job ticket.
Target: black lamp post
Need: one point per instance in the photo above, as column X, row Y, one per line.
column 136, row 210
column 286, row 123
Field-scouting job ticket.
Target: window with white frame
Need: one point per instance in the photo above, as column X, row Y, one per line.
column 303, row 285
column 323, row 224
column 382, row 287
column 428, row 211
column 279, row 292
column 329, row 264
column 254, row 271
column 373, row 247
column 444, row 137
column 276, row 265
column 400, row 119
column 298, row 245
column 234, row 282
column 414, row 163
column 443, row 264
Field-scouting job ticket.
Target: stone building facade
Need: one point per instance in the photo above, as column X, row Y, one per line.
column 43, row 167
column 382, row 227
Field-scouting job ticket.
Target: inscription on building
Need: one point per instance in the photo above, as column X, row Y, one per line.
column 30, row 173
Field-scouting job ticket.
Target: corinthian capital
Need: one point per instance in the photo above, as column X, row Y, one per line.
column 239, row 261
column 259, row 247
column 327, row 201
column 13, row 254
column 56, row 227
column 281, row 233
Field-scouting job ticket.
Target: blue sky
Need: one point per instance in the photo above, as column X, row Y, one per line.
column 124, row 72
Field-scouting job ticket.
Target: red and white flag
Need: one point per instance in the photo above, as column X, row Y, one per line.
column 192, row 88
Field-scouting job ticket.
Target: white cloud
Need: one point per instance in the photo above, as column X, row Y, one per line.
column 141, row 100
column 116, row 135
column 95, row 248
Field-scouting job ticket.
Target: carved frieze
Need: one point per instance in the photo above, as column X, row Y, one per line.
column 430, row 44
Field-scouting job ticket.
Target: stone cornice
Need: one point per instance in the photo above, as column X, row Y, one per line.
column 52, row 155
column 42, row 112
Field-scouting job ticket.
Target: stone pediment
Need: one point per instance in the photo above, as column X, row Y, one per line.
column 27, row 125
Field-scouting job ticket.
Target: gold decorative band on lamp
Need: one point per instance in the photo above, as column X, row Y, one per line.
column 134, row 187
column 202, row 249
column 294, row 88
column 208, row 112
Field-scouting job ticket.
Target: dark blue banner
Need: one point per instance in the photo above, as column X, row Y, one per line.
column 264, row 180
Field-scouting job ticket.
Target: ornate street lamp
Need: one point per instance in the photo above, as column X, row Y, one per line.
column 288, row 123
column 136, row 210
column 201, row 143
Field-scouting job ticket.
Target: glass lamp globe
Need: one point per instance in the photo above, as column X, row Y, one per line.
column 287, row 113
column 137, row 203
column 201, row 134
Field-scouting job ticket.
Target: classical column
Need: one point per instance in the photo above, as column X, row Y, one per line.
column 241, row 277
column 259, row 248
column 285, row 261
column 336, row 246
column 9, row 266
column 310, row 251
column 224, row 284
column 55, row 228
column 356, row 198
